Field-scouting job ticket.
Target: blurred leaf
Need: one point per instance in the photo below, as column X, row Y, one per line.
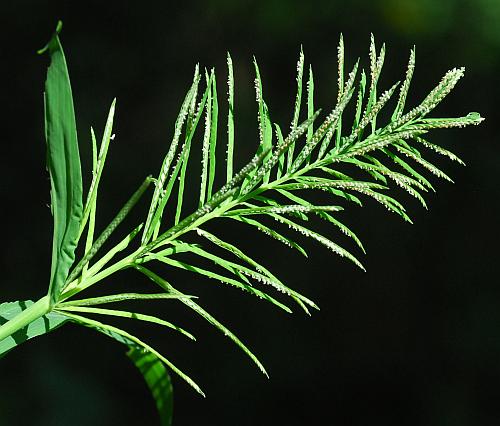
column 158, row 380
column 40, row 326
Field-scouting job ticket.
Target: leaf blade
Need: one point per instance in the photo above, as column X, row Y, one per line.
column 63, row 163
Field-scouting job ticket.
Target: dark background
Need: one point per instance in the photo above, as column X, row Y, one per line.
column 414, row 341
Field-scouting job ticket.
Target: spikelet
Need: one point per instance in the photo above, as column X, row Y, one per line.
column 403, row 93
column 380, row 142
column 340, row 68
column 371, row 114
column 206, row 140
column 300, row 73
column 319, row 238
column 444, row 87
column 424, row 163
column 440, row 150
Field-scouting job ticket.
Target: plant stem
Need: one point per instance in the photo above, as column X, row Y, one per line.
column 91, row 280
column 37, row 310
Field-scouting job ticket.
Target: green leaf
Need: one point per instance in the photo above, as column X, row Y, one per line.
column 41, row 325
column 63, row 163
column 158, row 381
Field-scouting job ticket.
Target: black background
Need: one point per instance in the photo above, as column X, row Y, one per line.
column 414, row 341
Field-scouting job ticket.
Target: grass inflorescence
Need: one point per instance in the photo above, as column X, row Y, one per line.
column 314, row 155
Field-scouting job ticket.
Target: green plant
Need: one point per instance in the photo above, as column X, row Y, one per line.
column 310, row 157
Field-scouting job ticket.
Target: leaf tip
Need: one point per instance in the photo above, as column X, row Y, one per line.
column 54, row 36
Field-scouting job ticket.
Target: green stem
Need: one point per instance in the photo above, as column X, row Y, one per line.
column 37, row 310
column 71, row 290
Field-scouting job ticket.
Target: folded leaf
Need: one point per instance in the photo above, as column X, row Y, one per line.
column 63, row 163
